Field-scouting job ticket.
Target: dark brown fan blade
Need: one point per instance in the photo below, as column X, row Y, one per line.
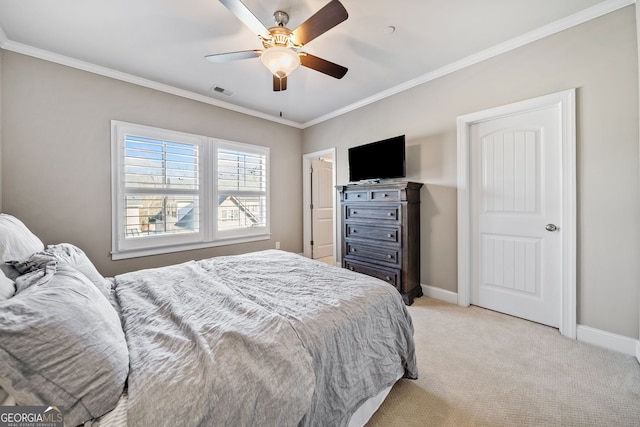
column 322, row 65
column 279, row 84
column 323, row 20
column 233, row 56
column 244, row 14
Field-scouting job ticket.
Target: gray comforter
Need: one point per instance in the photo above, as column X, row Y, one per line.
column 262, row 339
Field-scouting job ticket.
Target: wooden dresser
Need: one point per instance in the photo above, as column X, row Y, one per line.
column 381, row 233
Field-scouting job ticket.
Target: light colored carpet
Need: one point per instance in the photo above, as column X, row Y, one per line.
column 482, row 368
column 326, row 260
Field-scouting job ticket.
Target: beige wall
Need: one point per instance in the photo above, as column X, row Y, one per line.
column 599, row 58
column 56, row 156
column 638, row 42
column 0, row 130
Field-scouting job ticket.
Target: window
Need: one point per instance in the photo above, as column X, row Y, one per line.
column 242, row 187
column 175, row 191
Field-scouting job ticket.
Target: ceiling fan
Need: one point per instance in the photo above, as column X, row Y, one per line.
column 282, row 47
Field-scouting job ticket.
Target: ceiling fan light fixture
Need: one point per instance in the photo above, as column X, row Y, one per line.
column 281, row 54
column 281, row 61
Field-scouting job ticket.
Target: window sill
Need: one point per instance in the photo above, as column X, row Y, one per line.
column 136, row 253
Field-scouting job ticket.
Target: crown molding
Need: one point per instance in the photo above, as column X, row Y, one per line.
column 532, row 36
column 586, row 15
column 3, row 38
column 118, row 75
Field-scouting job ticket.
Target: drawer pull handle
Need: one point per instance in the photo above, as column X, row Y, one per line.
column 389, row 256
column 353, row 231
column 388, row 278
column 389, row 235
column 354, row 212
column 357, row 195
column 390, row 214
column 384, row 195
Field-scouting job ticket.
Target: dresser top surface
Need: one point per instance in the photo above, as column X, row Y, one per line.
column 385, row 184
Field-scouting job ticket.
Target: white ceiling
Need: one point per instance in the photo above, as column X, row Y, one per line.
column 162, row 43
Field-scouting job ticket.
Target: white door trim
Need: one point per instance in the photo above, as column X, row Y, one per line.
column 566, row 101
column 306, row 201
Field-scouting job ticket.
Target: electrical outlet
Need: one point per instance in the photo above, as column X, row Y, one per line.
column 277, row 245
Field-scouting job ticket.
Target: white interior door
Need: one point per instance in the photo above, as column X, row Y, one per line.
column 516, row 202
column 322, row 194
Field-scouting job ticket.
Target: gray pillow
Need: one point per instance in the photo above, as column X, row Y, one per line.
column 78, row 259
column 61, row 343
column 3, row 396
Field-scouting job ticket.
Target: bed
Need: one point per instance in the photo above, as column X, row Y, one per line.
column 268, row 338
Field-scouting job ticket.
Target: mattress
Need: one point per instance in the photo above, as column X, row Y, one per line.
column 118, row 417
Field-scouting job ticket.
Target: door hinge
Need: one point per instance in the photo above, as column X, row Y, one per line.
column 312, row 243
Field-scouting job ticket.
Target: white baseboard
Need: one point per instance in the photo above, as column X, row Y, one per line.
column 586, row 334
column 439, row 293
column 609, row 340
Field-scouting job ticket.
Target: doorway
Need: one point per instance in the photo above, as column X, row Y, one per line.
column 516, row 210
column 319, row 206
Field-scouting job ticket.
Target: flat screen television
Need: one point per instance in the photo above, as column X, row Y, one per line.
column 378, row 160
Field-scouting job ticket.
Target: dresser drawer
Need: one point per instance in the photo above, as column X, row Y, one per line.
column 362, row 231
column 387, row 213
column 385, row 195
column 375, row 253
column 356, row 196
column 389, row 275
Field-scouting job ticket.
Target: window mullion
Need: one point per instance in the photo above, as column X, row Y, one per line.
column 207, row 167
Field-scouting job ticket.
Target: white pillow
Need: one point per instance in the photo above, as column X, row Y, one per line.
column 7, row 289
column 16, row 242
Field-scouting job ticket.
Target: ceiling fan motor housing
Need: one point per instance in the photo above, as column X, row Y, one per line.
column 279, row 36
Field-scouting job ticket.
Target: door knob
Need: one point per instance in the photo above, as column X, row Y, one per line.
column 550, row 227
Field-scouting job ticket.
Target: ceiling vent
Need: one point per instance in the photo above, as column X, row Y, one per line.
column 221, row 90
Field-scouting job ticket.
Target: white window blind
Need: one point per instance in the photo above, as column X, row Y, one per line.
column 242, row 188
column 161, row 184
column 175, row 191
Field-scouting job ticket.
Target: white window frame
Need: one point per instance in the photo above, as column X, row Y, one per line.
column 208, row 235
